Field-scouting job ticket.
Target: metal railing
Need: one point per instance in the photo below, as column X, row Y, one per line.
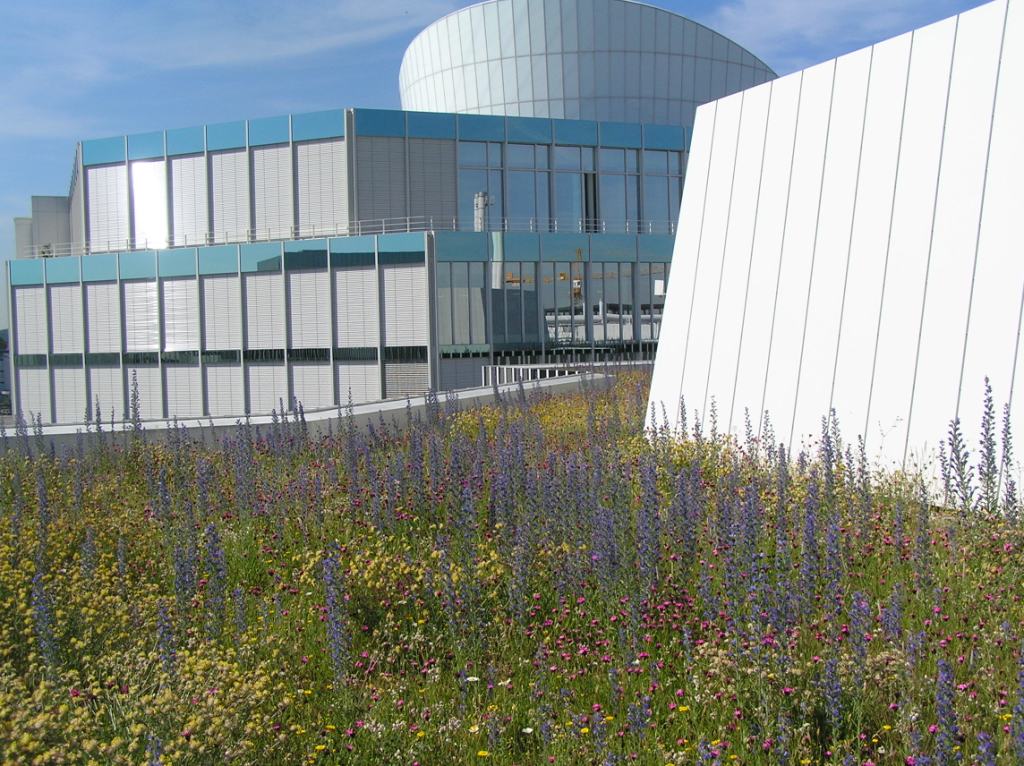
column 355, row 228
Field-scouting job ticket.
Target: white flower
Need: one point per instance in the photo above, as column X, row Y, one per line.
column 472, row 679
column 527, row 730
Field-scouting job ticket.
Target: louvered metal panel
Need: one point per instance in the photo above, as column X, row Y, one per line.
column 69, row 394
column 34, row 394
column 309, row 309
column 188, row 195
column 103, row 317
column 108, row 207
column 323, row 187
column 381, row 178
column 66, row 318
column 461, row 373
column 313, row 385
column 264, row 298
column 272, row 190
column 357, row 311
column 140, row 316
column 151, row 403
column 268, row 388
column 77, row 213
column 149, row 203
column 405, row 305
column 360, row 379
column 106, row 393
column 181, row 317
column 222, row 313
column 223, row 389
column 184, row 390
column 405, row 379
column 230, row 184
column 432, row 172
column 30, row 317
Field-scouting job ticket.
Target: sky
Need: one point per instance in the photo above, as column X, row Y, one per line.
column 71, row 70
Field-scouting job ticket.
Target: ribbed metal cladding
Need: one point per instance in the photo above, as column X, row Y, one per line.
column 576, row 59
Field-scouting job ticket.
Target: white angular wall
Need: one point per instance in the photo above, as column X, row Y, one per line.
column 850, row 240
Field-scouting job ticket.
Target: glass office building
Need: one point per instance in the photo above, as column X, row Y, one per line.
column 358, row 254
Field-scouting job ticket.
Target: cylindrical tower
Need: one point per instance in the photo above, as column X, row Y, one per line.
column 612, row 60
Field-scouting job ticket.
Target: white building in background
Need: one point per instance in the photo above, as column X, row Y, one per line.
column 254, row 265
column 850, row 239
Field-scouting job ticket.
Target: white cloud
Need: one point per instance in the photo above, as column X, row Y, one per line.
column 793, row 34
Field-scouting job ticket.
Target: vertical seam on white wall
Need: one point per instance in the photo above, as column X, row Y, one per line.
column 981, row 210
column 888, row 241
column 931, row 240
column 814, row 253
column 696, row 260
column 750, row 264
column 853, row 224
column 721, row 267
column 782, row 244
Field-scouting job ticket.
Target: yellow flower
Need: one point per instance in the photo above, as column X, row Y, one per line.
column 886, row 727
column 474, row 729
column 585, row 730
column 421, row 733
column 483, row 753
column 320, row 748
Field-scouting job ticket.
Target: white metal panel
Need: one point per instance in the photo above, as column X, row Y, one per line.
column 184, row 390
column 264, row 305
column 381, row 178
column 141, row 316
column 698, row 346
column 34, row 394
column 150, row 390
column 360, row 380
column 432, row 172
column 323, row 187
column 798, row 255
column 957, row 211
column 268, row 388
column 736, row 250
column 149, row 203
column 108, row 207
column 992, row 342
column 77, row 213
column 69, row 394
column 405, row 379
column 870, row 238
column 405, row 305
column 189, row 200
column 103, row 317
column 30, row 320
column 222, row 312
column 272, row 192
column 181, row 314
column 66, row 318
column 224, row 394
column 313, row 385
column 309, row 309
column 832, row 243
column 358, row 314
column 230, row 185
column 106, row 392
column 667, row 377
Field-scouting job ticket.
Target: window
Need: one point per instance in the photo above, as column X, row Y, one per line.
column 662, row 187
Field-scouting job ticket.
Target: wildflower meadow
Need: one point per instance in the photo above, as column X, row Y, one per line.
column 534, row 581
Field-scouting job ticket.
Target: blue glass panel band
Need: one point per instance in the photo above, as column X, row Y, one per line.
column 380, row 122
column 222, row 259
column 138, row 265
column 664, row 137
column 461, row 246
column 317, row 125
column 27, row 272
column 305, row 254
column 481, row 127
column 655, row 248
column 578, row 132
column 269, row 130
column 564, row 247
column 102, row 151
column 615, row 248
column 405, row 242
column 185, row 141
column 146, row 146
column 624, row 135
column 62, row 270
column 99, row 268
column 521, row 246
column 431, row 125
column 529, row 130
column 263, row 256
column 225, row 135
column 178, row 263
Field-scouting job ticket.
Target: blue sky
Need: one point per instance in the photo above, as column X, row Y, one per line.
column 73, row 70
